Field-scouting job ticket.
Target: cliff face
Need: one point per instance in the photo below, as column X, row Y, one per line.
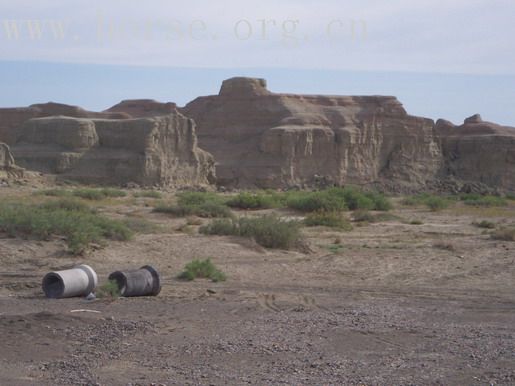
column 147, row 151
column 261, row 139
column 478, row 151
column 12, row 119
column 275, row 140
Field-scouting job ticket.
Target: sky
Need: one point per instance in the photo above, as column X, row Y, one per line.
column 447, row 59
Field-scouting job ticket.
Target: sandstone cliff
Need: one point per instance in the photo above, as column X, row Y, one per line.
column 148, row 151
column 12, row 119
column 263, row 139
column 478, row 151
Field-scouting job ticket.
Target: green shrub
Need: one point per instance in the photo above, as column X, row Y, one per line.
column 198, row 198
column 510, row 196
column 108, row 290
column 316, row 201
column 329, row 219
column 111, row 192
column 202, row 269
column 484, row 201
column 504, row 234
column 96, row 194
column 89, row 194
column 148, row 194
column 269, row 231
column 54, row 192
column 207, row 205
column 255, row 201
column 77, row 222
column 206, row 210
column 484, row 224
column 436, row 203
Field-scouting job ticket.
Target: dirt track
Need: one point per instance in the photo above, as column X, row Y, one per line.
column 383, row 307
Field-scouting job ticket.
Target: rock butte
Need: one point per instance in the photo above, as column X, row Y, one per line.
column 261, row 139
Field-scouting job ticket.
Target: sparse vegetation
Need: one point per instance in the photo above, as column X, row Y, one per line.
column 483, row 201
column 269, row 231
column 207, row 205
column 329, row 219
column 85, row 193
column 484, row 224
column 80, row 224
column 202, row 269
column 504, row 234
column 148, row 194
column 108, row 290
column 510, row 196
column 337, row 199
column 436, row 203
column 260, row 200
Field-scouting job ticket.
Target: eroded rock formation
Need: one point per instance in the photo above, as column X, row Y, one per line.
column 478, row 151
column 263, row 139
column 147, row 151
column 8, row 168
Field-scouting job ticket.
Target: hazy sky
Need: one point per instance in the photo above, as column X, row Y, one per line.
column 442, row 58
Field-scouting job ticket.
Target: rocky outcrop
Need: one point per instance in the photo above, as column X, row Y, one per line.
column 147, row 151
column 12, row 119
column 8, row 168
column 478, row 151
column 262, row 139
column 137, row 108
column 269, row 140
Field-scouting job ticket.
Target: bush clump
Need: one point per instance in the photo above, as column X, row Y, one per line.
column 255, row 201
column 337, row 199
column 269, row 231
column 207, row 205
column 76, row 221
column 329, row 219
column 436, row 203
column 202, row 269
column 483, row 201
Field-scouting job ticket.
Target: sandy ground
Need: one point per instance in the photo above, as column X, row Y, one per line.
column 385, row 305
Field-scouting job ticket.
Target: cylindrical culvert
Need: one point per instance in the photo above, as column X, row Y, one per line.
column 141, row 282
column 78, row 281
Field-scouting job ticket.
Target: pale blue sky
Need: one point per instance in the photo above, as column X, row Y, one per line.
column 441, row 58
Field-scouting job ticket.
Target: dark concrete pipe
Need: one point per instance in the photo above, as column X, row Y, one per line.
column 141, row 282
column 78, row 281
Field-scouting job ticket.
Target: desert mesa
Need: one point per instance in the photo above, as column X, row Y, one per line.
column 249, row 137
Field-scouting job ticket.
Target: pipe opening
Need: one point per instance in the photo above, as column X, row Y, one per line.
column 121, row 281
column 53, row 285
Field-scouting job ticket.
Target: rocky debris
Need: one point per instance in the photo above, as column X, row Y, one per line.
column 478, row 152
column 146, row 151
column 268, row 140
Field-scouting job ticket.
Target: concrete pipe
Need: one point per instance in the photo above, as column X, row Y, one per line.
column 78, row 281
column 141, row 282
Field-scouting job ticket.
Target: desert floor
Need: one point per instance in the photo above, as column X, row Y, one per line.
column 389, row 303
